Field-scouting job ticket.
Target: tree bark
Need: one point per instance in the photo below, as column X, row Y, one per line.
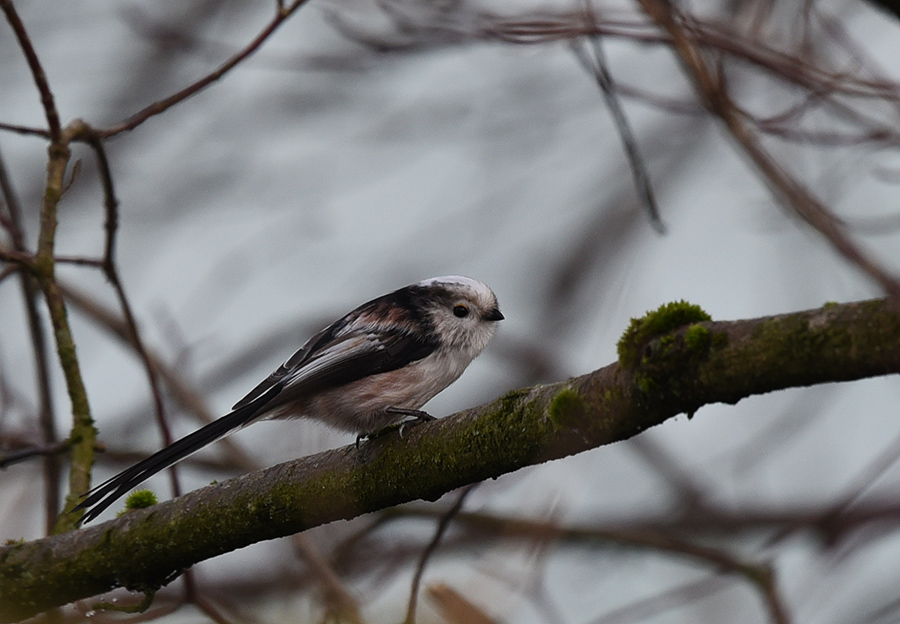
column 669, row 371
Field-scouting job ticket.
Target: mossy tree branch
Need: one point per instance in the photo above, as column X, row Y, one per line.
column 669, row 371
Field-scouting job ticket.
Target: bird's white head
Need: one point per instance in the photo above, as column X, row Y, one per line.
column 463, row 311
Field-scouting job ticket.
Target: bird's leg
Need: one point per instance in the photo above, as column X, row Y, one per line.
column 418, row 415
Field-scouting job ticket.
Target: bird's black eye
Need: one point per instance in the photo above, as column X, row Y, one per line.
column 460, row 311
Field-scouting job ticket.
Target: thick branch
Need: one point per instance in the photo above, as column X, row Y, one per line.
column 710, row 362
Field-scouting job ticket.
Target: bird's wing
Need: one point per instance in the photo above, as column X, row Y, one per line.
column 342, row 359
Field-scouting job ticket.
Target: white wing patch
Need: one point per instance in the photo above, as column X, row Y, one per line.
column 333, row 356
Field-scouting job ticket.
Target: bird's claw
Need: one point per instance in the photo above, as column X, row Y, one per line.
column 418, row 415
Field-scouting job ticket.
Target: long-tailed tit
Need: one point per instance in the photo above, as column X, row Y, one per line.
column 369, row 369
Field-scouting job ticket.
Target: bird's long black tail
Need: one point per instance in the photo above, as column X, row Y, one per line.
column 107, row 492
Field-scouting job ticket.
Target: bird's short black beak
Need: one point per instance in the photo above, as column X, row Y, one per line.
column 494, row 315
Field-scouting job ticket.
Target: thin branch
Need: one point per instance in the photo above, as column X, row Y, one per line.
column 825, row 85
column 26, row 130
column 456, row 608
column 193, row 596
column 598, row 68
column 652, row 606
column 281, row 15
column 95, row 263
column 46, row 414
column 760, row 575
column 190, row 400
column 443, row 524
column 111, row 204
column 20, row 259
column 570, row 25
column 83, row 434
column 712, row 91
column 48, row 450
column 37, row 71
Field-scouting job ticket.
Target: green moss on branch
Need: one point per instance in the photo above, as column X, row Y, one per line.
column 679, row 370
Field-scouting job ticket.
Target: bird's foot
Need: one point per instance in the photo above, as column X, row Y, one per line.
column 418, row 416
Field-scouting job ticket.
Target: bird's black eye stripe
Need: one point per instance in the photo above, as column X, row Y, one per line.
column 460, row 310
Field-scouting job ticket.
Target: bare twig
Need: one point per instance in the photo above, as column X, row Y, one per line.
column 180, row 390
column 340, row 602
column 45, row 451
column 281, row 15
column 95, row 263
column 760, row 575
column 443, row 524
column 111, row 203
column 46, row 415
column 83, row 434
column 712, row 91
column 456, row 608
column 19, row 258
column 195, row 597
column 37, row 71
column 597, row 67
column 26, row 130
column 646, row 608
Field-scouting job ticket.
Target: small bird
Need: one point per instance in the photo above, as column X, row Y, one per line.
column 369, row 369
